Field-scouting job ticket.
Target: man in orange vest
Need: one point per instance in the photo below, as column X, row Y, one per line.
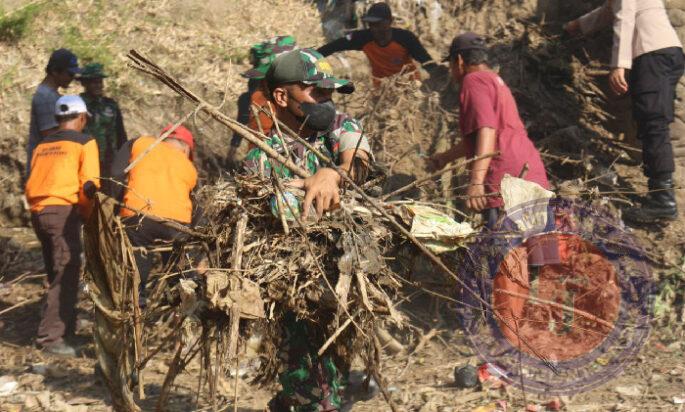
column 158, row 186
column 65, row 171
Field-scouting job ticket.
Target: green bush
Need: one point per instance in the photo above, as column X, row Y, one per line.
column 15, row 24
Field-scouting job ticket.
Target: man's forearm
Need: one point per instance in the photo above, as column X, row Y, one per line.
column 596, row 19
column 347, row 163
column 485, row 143
column 455, row 152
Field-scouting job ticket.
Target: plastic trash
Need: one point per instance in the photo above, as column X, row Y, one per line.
column 438, row 231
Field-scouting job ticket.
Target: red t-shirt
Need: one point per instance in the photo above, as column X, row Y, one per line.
column 487, row 102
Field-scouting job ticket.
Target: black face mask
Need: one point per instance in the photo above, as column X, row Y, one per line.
column 318, row 116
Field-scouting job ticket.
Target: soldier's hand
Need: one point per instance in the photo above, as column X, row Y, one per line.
column 323, row 188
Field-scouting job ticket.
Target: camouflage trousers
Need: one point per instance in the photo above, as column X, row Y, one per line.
column 310, row 383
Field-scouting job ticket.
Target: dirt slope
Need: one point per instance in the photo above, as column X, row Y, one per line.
column 204, row 43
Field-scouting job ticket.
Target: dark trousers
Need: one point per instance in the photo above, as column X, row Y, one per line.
column 652, row 81
column 59, row 230
column 144, row 232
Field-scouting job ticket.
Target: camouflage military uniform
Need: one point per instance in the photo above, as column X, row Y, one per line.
column 310, row 383
column 344, row 135
column 106, row 123
column 107, row 127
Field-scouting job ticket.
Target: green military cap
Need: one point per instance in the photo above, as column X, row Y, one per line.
column 93, row 71
column 306, row 66
column 263, row 54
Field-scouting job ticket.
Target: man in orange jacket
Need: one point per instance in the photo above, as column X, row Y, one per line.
column 65, row 171
column 159, row 185
column 390, row 50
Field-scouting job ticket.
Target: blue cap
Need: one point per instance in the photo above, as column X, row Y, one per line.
column 64, row 59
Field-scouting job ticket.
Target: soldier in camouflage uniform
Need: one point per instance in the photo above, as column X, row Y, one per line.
column 300, row 87
column 106, row 123
column 261, row 56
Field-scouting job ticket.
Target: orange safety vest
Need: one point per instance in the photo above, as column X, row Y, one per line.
column 160, row 183
column 61, row 164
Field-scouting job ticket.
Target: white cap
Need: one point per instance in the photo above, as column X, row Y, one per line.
column 70, row 104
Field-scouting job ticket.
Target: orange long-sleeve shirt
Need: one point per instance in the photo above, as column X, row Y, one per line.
column 61, row 164
column 161, row 183
column 259, row 99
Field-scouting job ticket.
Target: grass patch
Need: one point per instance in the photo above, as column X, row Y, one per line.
column 8, row 78
column 87, row 50
column 15, row 24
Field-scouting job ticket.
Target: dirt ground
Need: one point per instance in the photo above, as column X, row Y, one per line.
column 423, row 381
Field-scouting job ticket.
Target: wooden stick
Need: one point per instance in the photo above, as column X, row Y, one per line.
column 238, row 242
column 233, row 335
column 278, row 131
column 379, row 379
column 137, row 332
column 166, row 222
column 388, row 341
column 281, row 208
column 235, row 385
column 174, row 368
column 20, row 304
column 334, row 336
column 535, row 299
column 255, row 113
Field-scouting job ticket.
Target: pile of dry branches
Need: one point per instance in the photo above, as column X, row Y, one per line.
column 255, row 272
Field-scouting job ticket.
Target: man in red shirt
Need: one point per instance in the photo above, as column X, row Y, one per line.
column 389, row 50
column 489, row 122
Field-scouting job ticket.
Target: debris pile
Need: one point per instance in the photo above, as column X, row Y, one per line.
column 256, row 268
